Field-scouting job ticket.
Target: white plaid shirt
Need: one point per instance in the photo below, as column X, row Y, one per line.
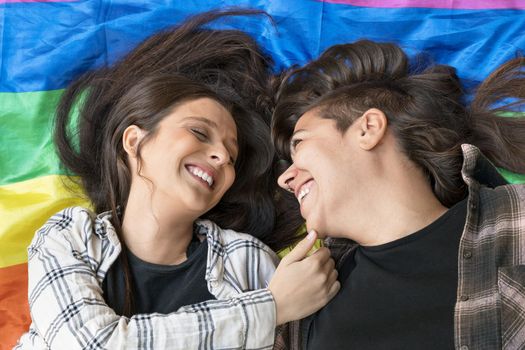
column 70, row 255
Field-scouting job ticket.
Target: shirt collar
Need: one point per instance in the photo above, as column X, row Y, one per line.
column 479, row 169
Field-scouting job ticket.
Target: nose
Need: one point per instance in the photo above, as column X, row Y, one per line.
column 219, row 154
column 287, row 179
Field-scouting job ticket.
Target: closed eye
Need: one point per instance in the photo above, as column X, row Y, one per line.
column 200, row 134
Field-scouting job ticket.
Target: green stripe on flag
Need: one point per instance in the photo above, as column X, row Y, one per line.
column 26, row 145
column 511, row 177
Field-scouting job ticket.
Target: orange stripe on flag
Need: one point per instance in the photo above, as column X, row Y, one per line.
column 14, row 308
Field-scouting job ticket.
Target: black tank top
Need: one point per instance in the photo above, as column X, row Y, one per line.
column 399, row 295
column 160, row 288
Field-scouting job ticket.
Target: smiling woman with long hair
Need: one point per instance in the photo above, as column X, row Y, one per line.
column 173, row 147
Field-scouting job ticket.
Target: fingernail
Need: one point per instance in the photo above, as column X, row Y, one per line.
column 311, row 235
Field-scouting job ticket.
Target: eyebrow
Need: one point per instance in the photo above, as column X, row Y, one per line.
column 232, row 141
column 204, row 120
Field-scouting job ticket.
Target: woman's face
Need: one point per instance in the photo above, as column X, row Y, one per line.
column 189, row 163
column 325, row 174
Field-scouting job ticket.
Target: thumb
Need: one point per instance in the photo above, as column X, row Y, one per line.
column 302, row 248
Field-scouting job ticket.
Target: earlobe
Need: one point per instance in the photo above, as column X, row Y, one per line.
column 131, row 139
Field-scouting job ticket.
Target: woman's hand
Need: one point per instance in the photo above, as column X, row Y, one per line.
column 303, row 284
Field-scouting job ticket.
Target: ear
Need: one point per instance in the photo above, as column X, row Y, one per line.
column 131, row 139
column 372, row 127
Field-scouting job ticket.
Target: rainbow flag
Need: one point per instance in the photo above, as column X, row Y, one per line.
column 46, row 44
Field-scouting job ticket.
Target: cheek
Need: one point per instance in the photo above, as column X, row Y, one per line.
column 234, row 173
column 229, row 178
column 312, row 155
column 331, row 186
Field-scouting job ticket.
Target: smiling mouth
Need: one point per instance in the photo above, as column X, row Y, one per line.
column 304, row 190
column 201, row 175
column 303, row 194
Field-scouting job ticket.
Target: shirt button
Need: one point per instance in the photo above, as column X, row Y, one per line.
column 467, row 254
column 463, row 298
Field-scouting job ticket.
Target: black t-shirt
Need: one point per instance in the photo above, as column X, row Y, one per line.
column 160, row 288
column 399, row 295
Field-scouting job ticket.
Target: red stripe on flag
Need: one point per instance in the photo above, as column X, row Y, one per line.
column 14, row 307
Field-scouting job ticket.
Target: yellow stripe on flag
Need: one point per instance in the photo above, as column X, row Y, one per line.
column 25, row 206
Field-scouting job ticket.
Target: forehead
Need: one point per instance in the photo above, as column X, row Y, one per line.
column 207, row 111
column 307, row 120
column 312, row 121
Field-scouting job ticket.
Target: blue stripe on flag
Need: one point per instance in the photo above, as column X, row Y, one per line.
column 45, row 45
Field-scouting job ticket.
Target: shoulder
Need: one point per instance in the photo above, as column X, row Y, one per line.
column 70, row 220
column 499, row 214
column 503, row 200
column 75, row 227
column 74, row 237
column 70, row 216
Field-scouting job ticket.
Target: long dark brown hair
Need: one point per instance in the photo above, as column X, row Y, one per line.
column 179, row 64
column 426, row 108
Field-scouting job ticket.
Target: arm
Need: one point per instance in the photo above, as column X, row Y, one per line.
column 68, row 310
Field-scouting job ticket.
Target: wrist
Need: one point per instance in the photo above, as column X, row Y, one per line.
column 277, row 313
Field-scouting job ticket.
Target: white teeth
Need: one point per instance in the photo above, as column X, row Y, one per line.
column 208, row 179
column 303, row 193
column 198, row 172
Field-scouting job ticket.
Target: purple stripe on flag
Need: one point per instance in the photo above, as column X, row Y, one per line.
column 20, row 1
column 438, row 4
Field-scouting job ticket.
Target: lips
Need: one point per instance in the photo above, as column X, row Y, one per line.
column 206, row 176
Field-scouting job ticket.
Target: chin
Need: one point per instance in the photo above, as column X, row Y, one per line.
column 322, row 231
column 312, row 226
column 321, row 236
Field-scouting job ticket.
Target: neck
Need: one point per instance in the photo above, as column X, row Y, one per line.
column 404, row 215
column 156, row 235
column 400, row 202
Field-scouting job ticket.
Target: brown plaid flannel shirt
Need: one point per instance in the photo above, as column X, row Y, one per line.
column 490, row 306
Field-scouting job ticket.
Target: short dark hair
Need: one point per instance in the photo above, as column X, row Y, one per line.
column 426, row 109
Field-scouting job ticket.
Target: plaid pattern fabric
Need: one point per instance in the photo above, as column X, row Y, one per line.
column 490, row 306
column 70, row 255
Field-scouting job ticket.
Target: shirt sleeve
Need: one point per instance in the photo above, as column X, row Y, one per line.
column 69, row 312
